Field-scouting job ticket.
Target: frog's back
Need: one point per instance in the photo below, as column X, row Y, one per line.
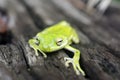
column 60, row 28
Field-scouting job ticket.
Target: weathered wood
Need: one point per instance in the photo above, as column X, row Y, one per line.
column 99, row 43
column 101, row 37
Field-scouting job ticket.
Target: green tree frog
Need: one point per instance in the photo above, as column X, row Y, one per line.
column 56, row 37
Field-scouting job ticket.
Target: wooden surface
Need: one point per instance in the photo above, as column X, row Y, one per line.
column 100, row 42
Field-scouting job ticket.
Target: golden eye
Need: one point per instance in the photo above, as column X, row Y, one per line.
column 36, row 38
column 37, row 41
column 59, row 41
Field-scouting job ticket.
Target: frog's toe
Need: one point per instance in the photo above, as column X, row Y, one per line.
column 36, row 52
column 68, row 60
column 77, row 68
column 67, row 63
column 77, row 72
column 45, row 56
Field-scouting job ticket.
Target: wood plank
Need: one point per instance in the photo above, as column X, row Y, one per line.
column 99, row 43
column 99, row 36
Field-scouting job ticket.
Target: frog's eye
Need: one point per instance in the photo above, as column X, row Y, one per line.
column 59, row 41
column 37, row 42
column 35, row 38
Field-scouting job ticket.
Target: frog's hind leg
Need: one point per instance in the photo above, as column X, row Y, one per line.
column 74, row 60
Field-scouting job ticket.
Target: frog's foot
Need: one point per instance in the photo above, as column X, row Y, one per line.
column 68, row 60
column 45, row 56
column 37, row 54
column 75, row 64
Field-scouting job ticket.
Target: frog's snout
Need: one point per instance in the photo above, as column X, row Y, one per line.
column 31, row 42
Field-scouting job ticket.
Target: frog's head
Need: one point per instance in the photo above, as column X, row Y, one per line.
column 48, row 43
column 33, row 43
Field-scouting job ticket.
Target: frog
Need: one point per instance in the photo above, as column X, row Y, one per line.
column 57, row 37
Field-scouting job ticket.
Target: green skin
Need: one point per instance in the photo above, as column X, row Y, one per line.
column 56, row 37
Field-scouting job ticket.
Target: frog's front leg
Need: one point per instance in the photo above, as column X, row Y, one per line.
column 74, row 60
column 36, row 52
column 36, row 48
